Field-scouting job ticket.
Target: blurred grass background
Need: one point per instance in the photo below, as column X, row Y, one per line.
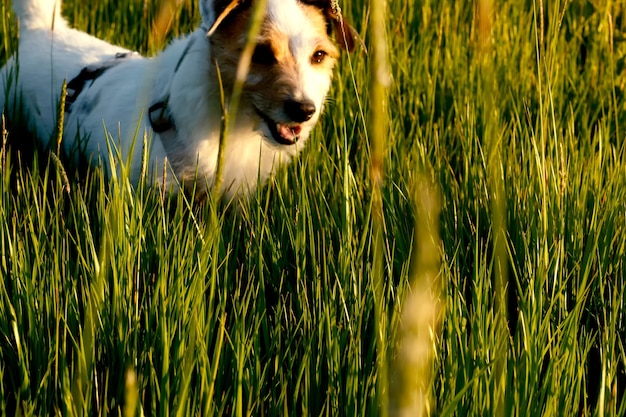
column 505, row 119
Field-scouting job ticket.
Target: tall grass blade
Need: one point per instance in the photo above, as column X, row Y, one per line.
column 378, row 132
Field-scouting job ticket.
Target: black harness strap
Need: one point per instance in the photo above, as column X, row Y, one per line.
column 87, row 74
column 158, row 113
column 159, row 117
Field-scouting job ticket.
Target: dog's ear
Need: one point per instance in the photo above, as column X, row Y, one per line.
column 215, row 11
column 208, row 12
column 346, row 36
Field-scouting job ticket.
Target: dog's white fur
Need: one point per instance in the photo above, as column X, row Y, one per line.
column 118, row 101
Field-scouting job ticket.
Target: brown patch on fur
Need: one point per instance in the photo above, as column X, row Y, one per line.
column 227, row 44
column 346, row 36
column 319, row 22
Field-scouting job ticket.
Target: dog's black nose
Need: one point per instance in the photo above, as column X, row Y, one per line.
column 300, row 111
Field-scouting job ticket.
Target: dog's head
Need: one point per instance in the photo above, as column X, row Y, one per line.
column 292, row 64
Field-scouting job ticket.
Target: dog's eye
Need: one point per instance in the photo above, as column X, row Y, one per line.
column 263, row 55
column 319, row 57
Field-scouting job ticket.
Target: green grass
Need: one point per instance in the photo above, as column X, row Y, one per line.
column 116, row 301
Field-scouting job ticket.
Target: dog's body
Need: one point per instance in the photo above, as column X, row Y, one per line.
column 281, row 101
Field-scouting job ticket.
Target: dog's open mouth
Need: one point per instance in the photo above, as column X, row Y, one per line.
column 283, row 133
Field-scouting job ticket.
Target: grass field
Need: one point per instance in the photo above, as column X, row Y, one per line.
column 496, row 286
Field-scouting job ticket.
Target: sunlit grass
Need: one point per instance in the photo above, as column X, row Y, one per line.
column 116, row 299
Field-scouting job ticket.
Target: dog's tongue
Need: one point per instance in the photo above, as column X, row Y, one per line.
column 289, row 133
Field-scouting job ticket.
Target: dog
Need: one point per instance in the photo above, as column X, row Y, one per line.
column 114, row 96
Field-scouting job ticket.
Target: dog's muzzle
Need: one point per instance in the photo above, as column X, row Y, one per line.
column 288, row 133
column 300, row 111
